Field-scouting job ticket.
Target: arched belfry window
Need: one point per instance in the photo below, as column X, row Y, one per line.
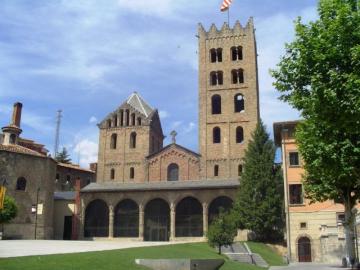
column 109, row 123
column 115, row 120
column 133, row 140
column 173, row 172
column 216, row 78
column 113, row 141
column 237, row 53
column 216, row 104
column 21, row 184
column 237, row 76
column 216, row 135
column 239, row 103
column 216, row 55
column 139, row 121
column 239, row 135
column 133, row 119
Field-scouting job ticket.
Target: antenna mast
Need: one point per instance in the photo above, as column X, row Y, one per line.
column 57, row 132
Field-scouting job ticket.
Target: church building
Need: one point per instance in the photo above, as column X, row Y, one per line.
column 151, row 192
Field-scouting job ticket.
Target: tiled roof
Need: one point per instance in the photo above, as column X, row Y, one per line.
column 164, row 185
column 20, row 149
column 137, row 102
column 74, row 167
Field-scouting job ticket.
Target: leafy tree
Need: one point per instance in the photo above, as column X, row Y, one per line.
column 63, row 156
column 9, row 211
column 259, row 204
column 222, row 230
column 320, row 76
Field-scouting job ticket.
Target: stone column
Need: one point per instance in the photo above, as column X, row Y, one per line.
column 205, row 218
column 141, row 222
column 172, row 221
column 82, row 220
column 111, row 221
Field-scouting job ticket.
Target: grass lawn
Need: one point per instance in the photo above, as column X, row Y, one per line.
column 267, row 253
column 121, row 259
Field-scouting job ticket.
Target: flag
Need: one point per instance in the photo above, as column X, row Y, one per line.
column 225, row 5
column 2, row 196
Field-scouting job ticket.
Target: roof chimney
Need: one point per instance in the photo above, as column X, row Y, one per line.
column 16, row 117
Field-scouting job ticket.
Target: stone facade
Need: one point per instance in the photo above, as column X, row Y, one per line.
column 314, row 231
column 145, row 191
column 67, row 174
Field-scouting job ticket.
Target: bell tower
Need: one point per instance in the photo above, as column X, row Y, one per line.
column 228, row 98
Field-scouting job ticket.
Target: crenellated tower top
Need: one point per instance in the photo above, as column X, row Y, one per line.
column 226, row 30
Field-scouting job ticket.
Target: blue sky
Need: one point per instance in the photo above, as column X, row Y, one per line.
column 86, row 57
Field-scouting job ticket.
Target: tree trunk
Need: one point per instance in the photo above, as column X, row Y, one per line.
column 219, row 251
column 349, row 233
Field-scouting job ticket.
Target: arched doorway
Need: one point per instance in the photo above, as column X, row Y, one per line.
column 96, row 219
column 222, row 202
column 304, row 249
column 157, row 221
column 126, row 219
column 189, row 218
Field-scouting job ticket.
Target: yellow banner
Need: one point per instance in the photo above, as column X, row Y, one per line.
column 2, row 196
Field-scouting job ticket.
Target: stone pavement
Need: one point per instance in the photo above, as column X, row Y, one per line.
column 307, row 266
column 18, row 248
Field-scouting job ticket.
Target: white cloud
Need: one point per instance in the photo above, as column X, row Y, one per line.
column 92, row 120
column 190, row 127
column 163, row 114
column 87, row 151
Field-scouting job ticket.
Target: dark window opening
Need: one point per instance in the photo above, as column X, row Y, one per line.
column 21, row 184
column 239, row 135
column 133, row 119
column 216, row 78
column 96, row 219
column 237, row 76
column 236, row 53
column 240, row 169
column 112, row 174
column 133, row 140
column 126, row 219
column 189, row 218
column 115, row 120
column 109, row 123
column 216, row 135
column 12, row 138
column 239, row 103
column 121, row 118
column 139, row 121
column 296, row 194
column 294, row 159
column 113, row 141
column 216, row 104
column 132, row 173
column 216, row 55
column 173, row 172
column 127, row 117
column 303, row 225
column 216, row 170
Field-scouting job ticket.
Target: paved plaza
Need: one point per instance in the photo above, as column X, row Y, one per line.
column 307, row 266
column 18, row 248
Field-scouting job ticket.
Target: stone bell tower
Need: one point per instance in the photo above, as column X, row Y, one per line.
column 228, row 98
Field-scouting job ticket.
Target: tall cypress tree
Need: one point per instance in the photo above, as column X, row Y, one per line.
column 259, row 204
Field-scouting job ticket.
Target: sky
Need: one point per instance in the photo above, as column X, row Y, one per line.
column 86, row 57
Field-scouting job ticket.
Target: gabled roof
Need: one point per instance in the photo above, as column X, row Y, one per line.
column 176, row 146
column 139, row 104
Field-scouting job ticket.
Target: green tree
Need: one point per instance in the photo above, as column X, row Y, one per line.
column 222, row 230
column 63, row 156
column 9, row 211
column 259, row 204
column 320, row 76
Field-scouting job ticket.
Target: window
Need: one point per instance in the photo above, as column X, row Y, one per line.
column 115, row 120
column 68, row 178
column 216, row 55
column 127, row 118
column 109, row 123
column 173, row 172
column 216, row 170
column 21, row 184
column 239, row 135
column 133, row 140
column 113, row 141
column 121, row 118
column 133, row 119
column 237, row 76
column 340, row 218
column 216, row 104
column 216, row 135
column 132, row 173
column 216, row 78
column 239, row 103
column 139, row 121
column 296, row 196
column 57, row 177
column 12, row 138
column 303, row 225
column 294, row 159
column 240, row 169
column 236, row 53
column 112, row 174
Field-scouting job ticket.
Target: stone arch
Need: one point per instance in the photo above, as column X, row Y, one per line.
column 189, row 218
column 239, row 103
column 157, row 220
column 96, row 219
column 222, row 202
column 21, row 184
column 126, row 219
column 173, row 172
